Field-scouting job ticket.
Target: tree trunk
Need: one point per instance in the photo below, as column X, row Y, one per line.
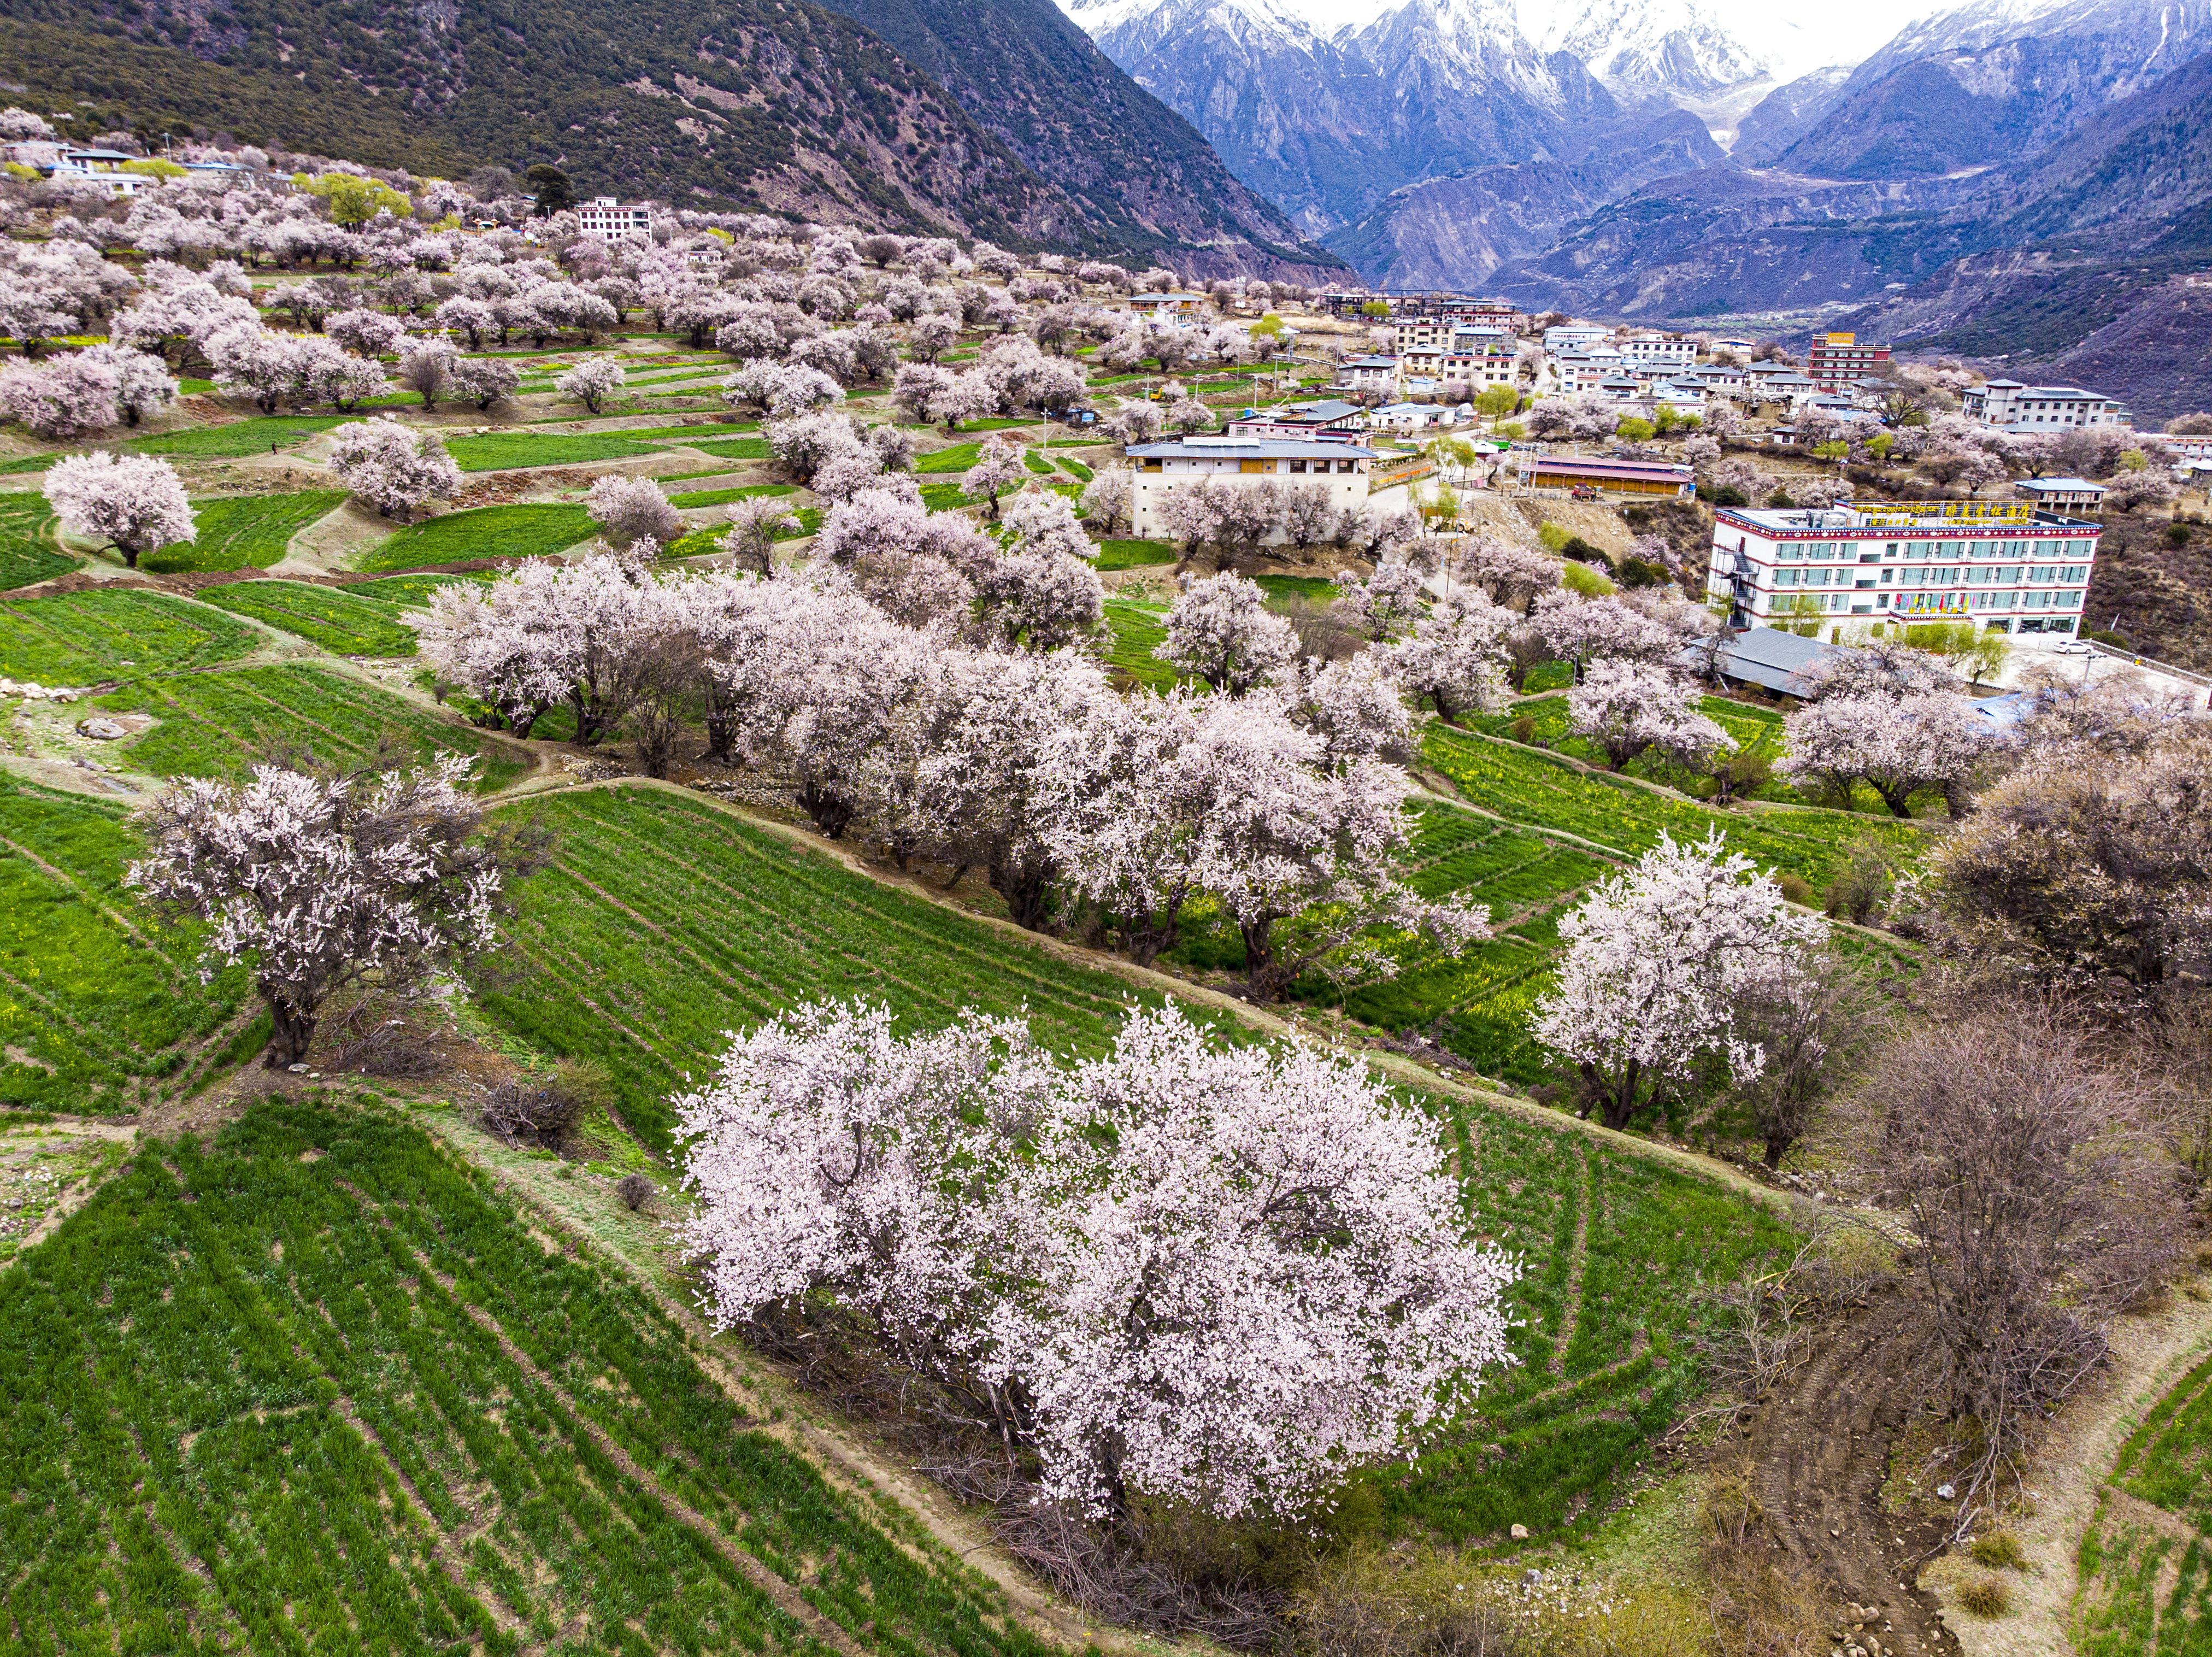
column 295, row 1030
column 830, row 813
column 1026, row 888
column 1262, row 970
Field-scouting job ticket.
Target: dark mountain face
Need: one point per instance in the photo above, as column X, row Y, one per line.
column 773, row 104
column 1134, row 165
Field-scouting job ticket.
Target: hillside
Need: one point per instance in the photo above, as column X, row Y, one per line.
column 764, row 104
column 1134, row 166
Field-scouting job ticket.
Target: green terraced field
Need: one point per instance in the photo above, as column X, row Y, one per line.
column 699, row 498
column 238, row 531
column 218, row 724
column 101, row 1010
column 1753, row 729
column 1135, row 628
column 407, row 592
column 316, row 1385
column 342, row 622
column 957, row 457
column 731, row 448
column 238, row 437
column 2146, row 1570
column 27, row 550
column 500, row 451
column 488, row 531
column 1133, row 555
column 663, row 923
column 682, row 434
column 1542, row 792
column 82, row 638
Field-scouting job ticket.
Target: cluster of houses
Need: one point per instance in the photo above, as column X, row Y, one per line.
column 116, row 171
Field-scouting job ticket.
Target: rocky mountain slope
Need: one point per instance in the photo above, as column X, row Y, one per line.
column 1133, row 166
column 773, row 104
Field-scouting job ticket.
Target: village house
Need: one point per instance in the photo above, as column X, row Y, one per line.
column 2038, row 408
column 1237, row 461
column 1371, row 375
column 1170, row 304
column 1564, row 474
column 606, row 219
column 2009, row 566
column 2062, row 494
column 1663, row 352
column 1837, row 360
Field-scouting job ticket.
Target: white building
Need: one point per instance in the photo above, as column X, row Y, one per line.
column 1664, row 352
column 1239, row 461
column 1368, row 373
column 615, row 221
column 1575, row 336
column 2005, row 565
column 2040, row 408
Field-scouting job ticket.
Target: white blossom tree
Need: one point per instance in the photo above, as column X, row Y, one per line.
column 426, row 368
column 592, row 381
column 999, row 467
column 1220, row 630
column 135, row 503
column 365, row 333
column 1629, row 708
column 628, row 510
column 315, row 882
column 1383, row 606
column 1653, row 964
column 1454, row 657
column 1227, row 1277
column 1897, row 745
column 1106, row 501
column 393, row 467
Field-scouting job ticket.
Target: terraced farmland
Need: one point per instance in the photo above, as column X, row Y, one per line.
column 239, row 531
column 345, row 621
column 499, row 451
column 99, row 1010
column 238, row 437
column 488, row 531
column 83, row 638
column 27, row 550
column 317, row 1385
column 664, row 922
column 2146, row 1563
column 218, row 724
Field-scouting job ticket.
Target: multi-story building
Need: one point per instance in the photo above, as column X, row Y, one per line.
column 2038, row 408
column 1575, row 336
column 1837, row 360
column 610, row 220
column 1665, row 352
column 2005, row 565
column 1368, row 374
column 1238, row 461
column 1480, row 363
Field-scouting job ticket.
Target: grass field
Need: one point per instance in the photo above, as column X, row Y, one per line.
column 238, row 437
column 498, row 451
column 487, row 532
column 344, row 622
column 730, row 448
column 407, row 592
column 239, row 531
column 27, row 551
column 101, row 1010
column 1135, row 628
column 957, row 457
column 316, row 1385
column 1540, row 791
column 218, row 724
column 1133, row 555
column 663, row 923
column 682, row 434
column 1753, row 729
column 82, row 638
column 698, row 497
column 2146, row 1570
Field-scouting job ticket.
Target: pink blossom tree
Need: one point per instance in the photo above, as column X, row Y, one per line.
column 1220, row 630
column 365, row 333
column 1454, row 656
column 756, row 526
column 393, row 467
column 628, row 510
column 1653, row 964
column 1896, row 744
column 315, row 882
column 1106, row 502
column 1629, row 708
column 1138, row 1293
column 997, row 467
column 592, row 381
column 135, row 503
column 1385, row 605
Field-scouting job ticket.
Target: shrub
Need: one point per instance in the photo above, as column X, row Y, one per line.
column 1797, row 889
column 2001, row 1549
column 636, row 1192
column 1723, row 495
column 1986, row 1596
column 1524, row 730
column 535, row 1111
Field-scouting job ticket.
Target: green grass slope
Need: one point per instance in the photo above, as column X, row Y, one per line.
column 317, row 1386
column 82, row 638
column 101, row 1010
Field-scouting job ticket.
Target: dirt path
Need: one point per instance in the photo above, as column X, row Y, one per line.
column 2149, row 1354
column 1820, row 1452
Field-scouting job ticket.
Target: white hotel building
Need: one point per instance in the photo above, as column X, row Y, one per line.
column 2006, row 566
